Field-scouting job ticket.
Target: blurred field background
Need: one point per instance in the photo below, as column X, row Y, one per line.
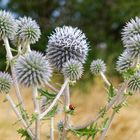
column 101, row 21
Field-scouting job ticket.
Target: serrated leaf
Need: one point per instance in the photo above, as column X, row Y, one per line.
column 33, row 117
column 105, row 122
column 88, row 132
column 47, row 94
column 24, row 133
column 127, row 74
column 102, row 111
column 51, row 113
column 111, row 92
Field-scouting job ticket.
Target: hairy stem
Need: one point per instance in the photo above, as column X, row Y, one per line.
column 14, row 107
column 16, row 86
column 52, row 88
column 104, row 132
column 10, row 57
column 55, row 100
column 105, row 79
column 66, row 116
column 37, row 111
column 52, row 129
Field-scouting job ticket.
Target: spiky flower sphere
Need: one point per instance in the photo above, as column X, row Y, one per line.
column 97, row 66
column 132, row 28
column 28, row 31
column 134, row 82
column 66, row 43
column 32, row 69
column 7, row 25
column 73, row 70
column 133, row 46
column 5, row 82
column 124, row 62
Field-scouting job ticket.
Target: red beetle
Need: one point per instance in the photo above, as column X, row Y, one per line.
column 71, row 107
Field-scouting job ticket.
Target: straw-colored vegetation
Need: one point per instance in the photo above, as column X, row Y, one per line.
column 124, row 127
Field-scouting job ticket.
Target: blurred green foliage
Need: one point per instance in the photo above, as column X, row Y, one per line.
column 100, row 20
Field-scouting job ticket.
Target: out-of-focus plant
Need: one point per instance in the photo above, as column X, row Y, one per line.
column 67, row 51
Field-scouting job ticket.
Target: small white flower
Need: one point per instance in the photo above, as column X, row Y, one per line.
column 131, row 28
column 97, row 66
column 133, row 46
column 32, row 69
column 28, row 31
column 5, row 82
column 73, row 70
column 66, row 43
column 7, row 25
column 124, row 62
column 134, row 82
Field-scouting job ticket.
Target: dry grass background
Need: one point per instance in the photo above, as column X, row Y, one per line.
column 126, row 125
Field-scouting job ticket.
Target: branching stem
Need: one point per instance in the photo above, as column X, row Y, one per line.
column 55, row 100
column 66, row 116
column 14, row 107
column 37, row 111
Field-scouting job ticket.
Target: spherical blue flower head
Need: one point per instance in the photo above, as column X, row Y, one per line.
column 5, row 82
column 66, row 43
column 131, row 29
column 32, row 69
column 124, row 62
column 73, row 70
column 97, row 66
column 28, row 31
column 7, row 25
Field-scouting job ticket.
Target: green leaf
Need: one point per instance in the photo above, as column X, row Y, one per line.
column 111, row 92
column 23, row 112
column 127, row 74
column 24, row 133
column 51, row 113
column 102, row 111
column 117, row 108
column 89, row 132
column 33, row 117
column 105, row 122
column 47, row 94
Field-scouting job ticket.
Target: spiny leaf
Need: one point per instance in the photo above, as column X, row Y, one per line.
column 105, row 122
column 24, row 133
column 51, row 113
column 33, row 117
column 127, row 74
column 111, row 92
column 102, row 111
column 47, row 94
column 88, row 132
column 117, row 108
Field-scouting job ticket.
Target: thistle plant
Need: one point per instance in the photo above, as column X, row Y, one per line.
column 66, row 52
column 66, row 43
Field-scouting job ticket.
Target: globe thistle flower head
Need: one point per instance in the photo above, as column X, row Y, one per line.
column 131, row 28
column 66, row 43
column 73, row 70
column 134, row 82
column 32, row 69
column 97, row 66
column 124, row 62
column 133, row 46
column 60, row 125
column 7, row 25
column 5, row 82
column 28, row 31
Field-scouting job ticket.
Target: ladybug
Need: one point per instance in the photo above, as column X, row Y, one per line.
column 71, row 107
